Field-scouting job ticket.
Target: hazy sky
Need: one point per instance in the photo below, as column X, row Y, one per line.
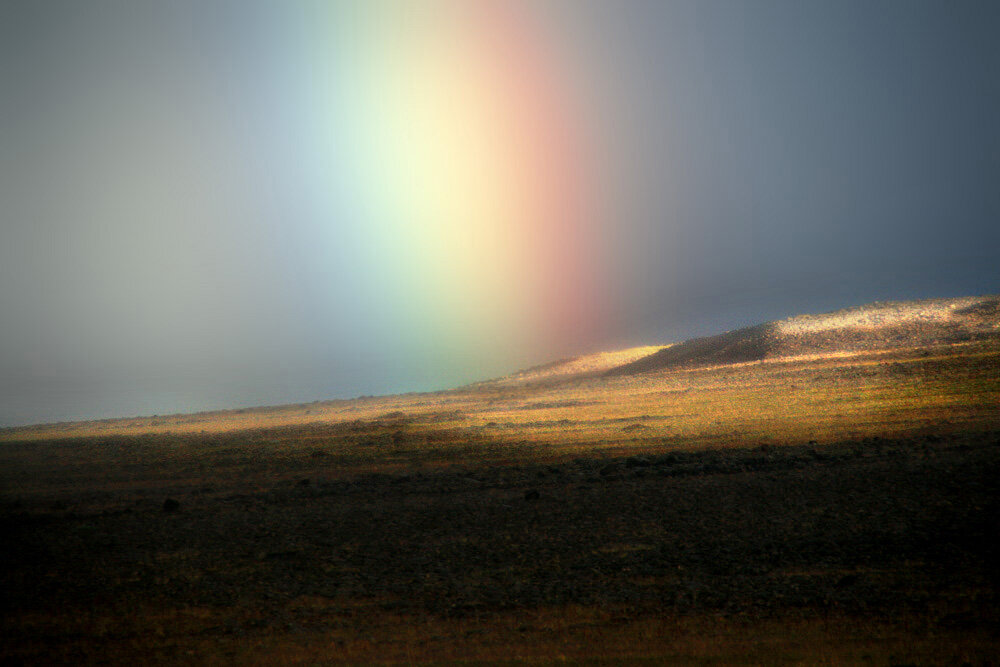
column 228, row 203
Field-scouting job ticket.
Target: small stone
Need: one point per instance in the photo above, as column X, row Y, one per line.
column 532, row 494
column 170, row 505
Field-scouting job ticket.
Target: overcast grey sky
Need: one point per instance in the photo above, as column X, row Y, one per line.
column 190, row 218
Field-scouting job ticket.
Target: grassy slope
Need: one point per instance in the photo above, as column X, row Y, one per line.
column 831, row 509
column 889, row 394
column 877, row 326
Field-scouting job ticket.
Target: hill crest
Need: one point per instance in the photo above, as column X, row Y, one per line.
column 871, row 327
column 882, row 325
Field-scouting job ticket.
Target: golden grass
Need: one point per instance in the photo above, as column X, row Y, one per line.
column 586, row 365
column 831, row 399
column 877, row 315
column 949, row 376
column 826, row 398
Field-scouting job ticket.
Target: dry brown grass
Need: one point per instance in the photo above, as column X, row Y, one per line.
column 833, row 395
column 222, row 581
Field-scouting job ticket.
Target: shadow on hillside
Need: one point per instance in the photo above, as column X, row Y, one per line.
column 750, row 344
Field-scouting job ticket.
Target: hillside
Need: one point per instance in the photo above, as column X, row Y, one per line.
column 846, row 498
column 588, row 365
column 904, row 326
column 872, row 327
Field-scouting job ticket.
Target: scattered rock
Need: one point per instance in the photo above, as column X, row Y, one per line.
column 303, row 482
column 532, row 494
column 170, row 505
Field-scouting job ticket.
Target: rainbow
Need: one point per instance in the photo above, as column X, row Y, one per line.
column 458, row 153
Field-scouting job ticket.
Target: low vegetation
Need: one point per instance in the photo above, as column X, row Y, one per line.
column 823, row 507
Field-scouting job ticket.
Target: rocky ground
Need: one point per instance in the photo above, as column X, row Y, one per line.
column 867, row 528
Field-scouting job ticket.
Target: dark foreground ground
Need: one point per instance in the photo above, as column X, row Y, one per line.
column 871, row 551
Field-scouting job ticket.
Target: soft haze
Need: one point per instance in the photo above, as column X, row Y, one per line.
column 223, row 204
